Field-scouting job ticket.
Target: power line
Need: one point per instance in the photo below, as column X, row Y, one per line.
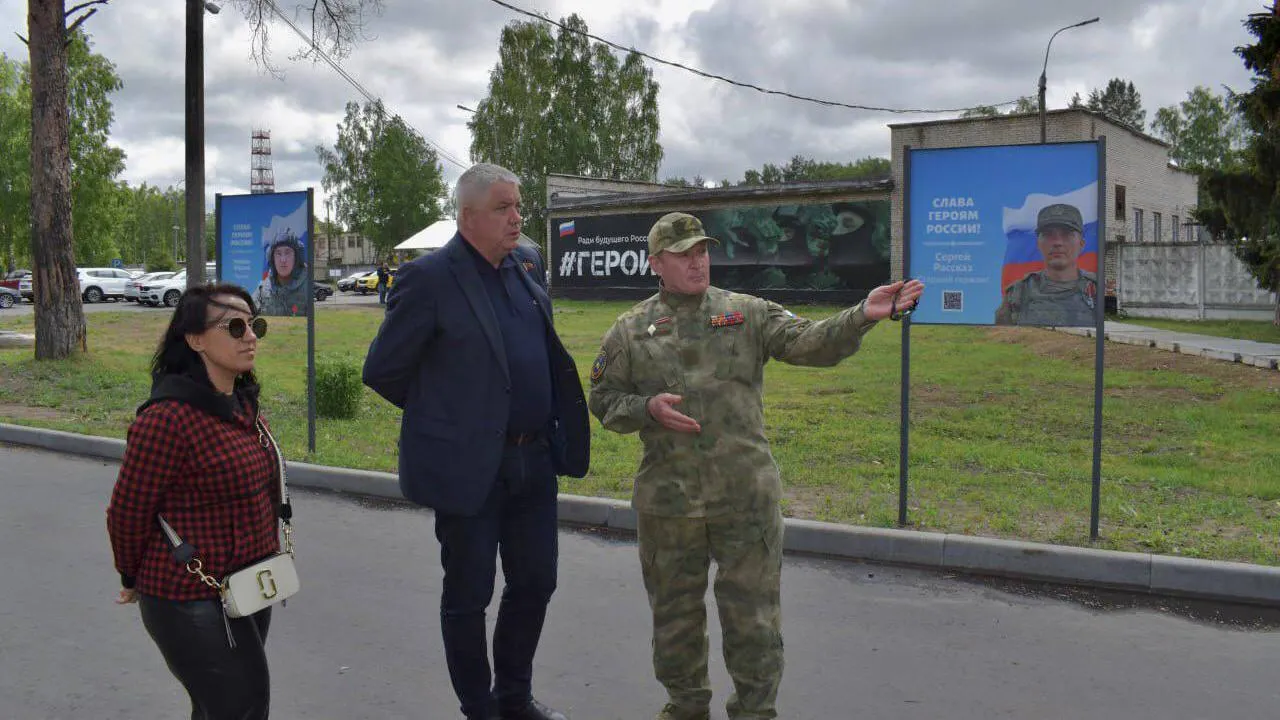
column 356, row 84
column 749, row 86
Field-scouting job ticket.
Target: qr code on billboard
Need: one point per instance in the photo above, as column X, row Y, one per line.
column 953, row 300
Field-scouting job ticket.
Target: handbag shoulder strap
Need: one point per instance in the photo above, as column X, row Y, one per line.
column 268, row 441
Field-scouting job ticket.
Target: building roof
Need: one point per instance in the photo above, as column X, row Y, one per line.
column 607, row 180
column 1059, row 111
column 706, row 196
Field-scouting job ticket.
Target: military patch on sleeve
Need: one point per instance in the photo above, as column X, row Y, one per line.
column 597, row 367
column 529, row 266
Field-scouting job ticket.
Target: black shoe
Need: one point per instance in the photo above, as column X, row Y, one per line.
column 533, row 711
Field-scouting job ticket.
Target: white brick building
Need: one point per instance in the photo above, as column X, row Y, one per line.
column 343, row 250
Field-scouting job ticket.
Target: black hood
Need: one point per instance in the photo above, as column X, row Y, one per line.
column 194, row 388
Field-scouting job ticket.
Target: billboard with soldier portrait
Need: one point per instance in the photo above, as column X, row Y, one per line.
column 264, row 246
column 1005, row 235
column 833, row 251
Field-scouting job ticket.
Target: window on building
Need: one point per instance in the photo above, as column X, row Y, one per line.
column 1157, row 229
column 1137, row 225
column 1120, row 211
column 351, row 241
column 1173, row 225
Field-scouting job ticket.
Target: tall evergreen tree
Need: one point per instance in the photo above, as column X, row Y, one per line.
column 1121, row 102
column 1246, row 203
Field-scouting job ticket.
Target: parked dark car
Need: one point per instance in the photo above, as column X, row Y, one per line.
column 321, row 291
column 8, row 297
column 348, row 283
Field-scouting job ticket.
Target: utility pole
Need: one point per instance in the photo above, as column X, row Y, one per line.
column 195, row 138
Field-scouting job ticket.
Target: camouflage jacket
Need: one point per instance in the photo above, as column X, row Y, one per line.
column 287, row 300
column 710, row 350
column 1037, row 300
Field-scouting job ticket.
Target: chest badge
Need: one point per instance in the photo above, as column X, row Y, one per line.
column 661, row 326
column 1090, row 294
column 727, row 319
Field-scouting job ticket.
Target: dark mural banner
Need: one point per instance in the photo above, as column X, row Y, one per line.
column 818, row 251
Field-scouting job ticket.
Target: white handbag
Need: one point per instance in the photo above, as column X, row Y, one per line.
column 254, row 587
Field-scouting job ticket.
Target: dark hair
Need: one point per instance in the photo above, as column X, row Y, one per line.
column 191, row 317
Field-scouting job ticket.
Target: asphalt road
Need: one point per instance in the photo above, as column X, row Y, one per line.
column 362, row 638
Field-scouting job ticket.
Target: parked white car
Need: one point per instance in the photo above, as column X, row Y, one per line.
column 24, row 289
column 163, row 292
column 98, row 284
column 131, row 287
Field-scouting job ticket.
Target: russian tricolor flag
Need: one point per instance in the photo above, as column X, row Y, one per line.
column 1022, row 256
column 566, row 229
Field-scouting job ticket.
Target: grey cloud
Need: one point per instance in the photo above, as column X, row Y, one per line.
column 919, row 53
column 425, row 57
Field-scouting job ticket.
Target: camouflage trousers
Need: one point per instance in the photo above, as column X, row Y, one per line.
column 675, row 555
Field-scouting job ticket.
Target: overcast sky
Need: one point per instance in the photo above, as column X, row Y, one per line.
column 425, row 57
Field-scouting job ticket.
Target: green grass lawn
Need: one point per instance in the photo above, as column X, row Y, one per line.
column 1258, row 330
column 1001, row 432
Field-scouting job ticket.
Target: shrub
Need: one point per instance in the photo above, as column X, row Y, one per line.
column 338, row 389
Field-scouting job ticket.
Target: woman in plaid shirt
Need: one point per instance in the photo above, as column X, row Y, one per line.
column 195, row 456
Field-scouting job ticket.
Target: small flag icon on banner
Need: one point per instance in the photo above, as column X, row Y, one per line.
column 566, row 228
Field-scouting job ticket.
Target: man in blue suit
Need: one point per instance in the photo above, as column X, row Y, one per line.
column 493, row 412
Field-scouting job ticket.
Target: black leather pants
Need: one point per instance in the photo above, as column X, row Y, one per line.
column 224, row 683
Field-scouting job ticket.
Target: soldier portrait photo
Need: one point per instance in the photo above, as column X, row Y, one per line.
column 284, row 288
column 1061, row 294
column 685, row 369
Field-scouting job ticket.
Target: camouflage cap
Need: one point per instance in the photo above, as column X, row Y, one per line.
column 1062, row 215
column 676, row 232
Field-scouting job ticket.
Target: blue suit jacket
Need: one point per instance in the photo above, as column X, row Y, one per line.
column 439, row 357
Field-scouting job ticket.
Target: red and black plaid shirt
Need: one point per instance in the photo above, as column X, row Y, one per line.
column 212, row 480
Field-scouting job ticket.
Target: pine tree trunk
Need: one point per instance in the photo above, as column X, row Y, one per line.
column 60, row 325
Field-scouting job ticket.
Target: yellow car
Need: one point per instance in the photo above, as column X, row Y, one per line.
column 369, row 283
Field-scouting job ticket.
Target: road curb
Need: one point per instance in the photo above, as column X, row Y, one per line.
column 1141, row 572
column 1259, row 354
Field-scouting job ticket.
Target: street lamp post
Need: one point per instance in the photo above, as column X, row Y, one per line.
column 464, row 108
column 1045, row 69
column 195, row 138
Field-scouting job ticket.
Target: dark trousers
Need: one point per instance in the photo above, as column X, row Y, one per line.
column 382, row 293
column 224, row 683
column 517, row 522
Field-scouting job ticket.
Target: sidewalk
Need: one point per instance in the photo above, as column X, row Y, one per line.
column 1247, row 352
column 1135, row 572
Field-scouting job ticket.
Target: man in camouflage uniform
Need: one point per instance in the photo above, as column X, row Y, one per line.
column 1061, row 294
column 707, row 487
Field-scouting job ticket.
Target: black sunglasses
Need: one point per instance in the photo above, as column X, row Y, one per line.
column 236, row 327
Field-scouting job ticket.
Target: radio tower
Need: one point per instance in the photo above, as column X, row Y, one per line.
column 262, row 180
